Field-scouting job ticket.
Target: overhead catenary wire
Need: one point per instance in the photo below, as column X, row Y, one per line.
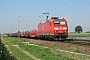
column 60, row 5
column 46, row 9
column 55, row 7
column 75, row 9
column 42, row 18
column 72, row 6
column 39, row 16
column 52, row 5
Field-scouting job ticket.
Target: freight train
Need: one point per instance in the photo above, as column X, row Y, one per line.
column 52, row 29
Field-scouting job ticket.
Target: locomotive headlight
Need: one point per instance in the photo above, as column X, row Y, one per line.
column 64, row 28
column 55, row 28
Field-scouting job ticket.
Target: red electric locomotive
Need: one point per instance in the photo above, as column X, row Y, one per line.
column 53, row 29
column 33, row 33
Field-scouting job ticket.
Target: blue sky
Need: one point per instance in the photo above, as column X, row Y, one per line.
column 76, row 12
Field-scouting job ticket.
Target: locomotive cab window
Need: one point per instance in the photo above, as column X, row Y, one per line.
column 62, row 23
column 56, row 23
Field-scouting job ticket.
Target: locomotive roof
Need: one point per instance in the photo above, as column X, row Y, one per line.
column 54, row 18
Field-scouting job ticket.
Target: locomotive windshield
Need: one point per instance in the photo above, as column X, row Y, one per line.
column 62, row 23
column 57, row 23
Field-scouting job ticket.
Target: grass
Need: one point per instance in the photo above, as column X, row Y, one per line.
column 72, row 55
column 41, row 53
column 78, row 35
column 16, row 52
column 19, row 54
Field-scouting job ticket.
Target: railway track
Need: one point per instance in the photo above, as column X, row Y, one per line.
column 71, row 41
column 78, row 41
column 81, row 46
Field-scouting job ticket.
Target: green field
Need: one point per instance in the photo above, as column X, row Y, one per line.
column 79, row 35
column 36, row 51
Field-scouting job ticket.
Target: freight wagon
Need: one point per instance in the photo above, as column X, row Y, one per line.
column 33, row 33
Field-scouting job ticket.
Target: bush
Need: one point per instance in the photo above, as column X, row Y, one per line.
column 4, row 53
